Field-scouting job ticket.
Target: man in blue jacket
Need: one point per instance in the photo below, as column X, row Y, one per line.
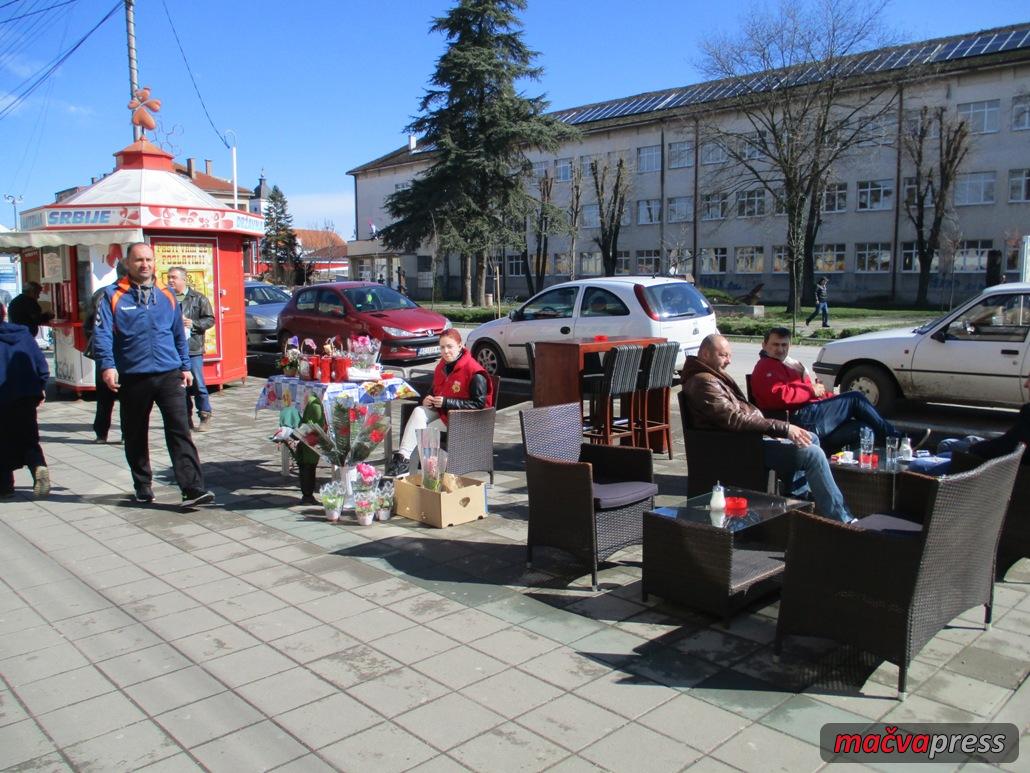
column 23, row 377
column 140, row 343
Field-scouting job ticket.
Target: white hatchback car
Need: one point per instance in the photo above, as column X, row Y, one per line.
column 638, row 306
column 976, row 354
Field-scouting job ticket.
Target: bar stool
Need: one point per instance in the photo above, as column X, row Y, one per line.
column 657, row 369
column 618, row 378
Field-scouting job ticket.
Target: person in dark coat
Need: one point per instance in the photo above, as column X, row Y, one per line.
column 198, row 317
column 822, row 305
column 23, row 377
column 25, row 309
column 105, row 397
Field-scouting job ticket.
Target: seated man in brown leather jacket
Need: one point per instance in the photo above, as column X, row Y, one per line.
column 716, row 402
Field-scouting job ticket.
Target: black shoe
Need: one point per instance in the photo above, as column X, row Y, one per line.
column 100, row 439
column 6, row 493
column 398, row 466
column 197, row 497
column 144, row 494
column 922, row 440
column 308, row 499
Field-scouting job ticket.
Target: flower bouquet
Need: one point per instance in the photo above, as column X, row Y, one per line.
column 332, row 500
column 434, row 465
column 368, row 477
column 365, row 504
column 364, row 358
column 289, row 361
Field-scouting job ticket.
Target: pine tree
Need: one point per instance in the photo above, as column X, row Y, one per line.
column 279, row 247
column 473, row 199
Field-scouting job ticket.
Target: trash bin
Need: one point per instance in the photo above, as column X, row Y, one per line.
column 489, row 298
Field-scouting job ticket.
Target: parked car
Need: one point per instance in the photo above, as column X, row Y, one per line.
column 345, row 309
column 264, row 302
column 976, row 354
column 614, row 306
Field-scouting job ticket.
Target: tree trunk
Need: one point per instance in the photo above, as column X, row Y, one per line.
column 481, row 278
column 924, row 279
column 466, row 281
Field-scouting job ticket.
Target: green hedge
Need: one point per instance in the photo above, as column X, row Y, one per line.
column 757, row 328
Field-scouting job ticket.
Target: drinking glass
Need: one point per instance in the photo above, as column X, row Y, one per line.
column 865, row 458
column 891, row 453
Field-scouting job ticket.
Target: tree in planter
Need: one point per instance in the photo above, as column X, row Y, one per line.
column 936, row 148
column 611, row 187
column 279, row 247
column 801, row 112
column 479, row 128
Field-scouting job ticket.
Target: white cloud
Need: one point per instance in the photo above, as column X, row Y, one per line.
column 311, row 210
column 20, row 67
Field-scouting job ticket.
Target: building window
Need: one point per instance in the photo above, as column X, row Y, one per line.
column 974, row 188
column 829, row 257
column 713, row 260
column 875, row 195
column 516, row 265
column 540, row 169
column 780, row 256
column 584, row 166
column 713, row 152
column 873, row 256
column 910, row 258
column 913, row 124
column 972, row 255
column 1019, row 185
column 1021, row 113
column 681, row 154
column 835, row 198
column 402, row 186
column 714, row 206
column 649, row 262
column 649, row 211
column 752, row 146
column 590, row 216
column 590, row 264
column 563, row 169
column 980, row 117
column 779, row 202
column 622, row 262
column 680, row 261
column 649, row 158
column 750, row 260
column 561, row 265
column 681, row 208
column 910, row 192
column 751, row 203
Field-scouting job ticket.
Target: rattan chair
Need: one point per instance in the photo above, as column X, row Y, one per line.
column 654, row 386
column 618, row 378
column 588, row 500
column 887, row 584
column 771, row 413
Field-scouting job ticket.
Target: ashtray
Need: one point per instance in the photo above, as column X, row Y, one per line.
column 736, row 506
column 600, row 338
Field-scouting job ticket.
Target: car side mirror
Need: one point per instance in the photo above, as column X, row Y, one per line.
column 514, row 315
column 941, row 335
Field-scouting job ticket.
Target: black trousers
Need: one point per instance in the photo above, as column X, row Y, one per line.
column 138, row 394
column 20, row 447
column 1006, row 444
column 105, row 405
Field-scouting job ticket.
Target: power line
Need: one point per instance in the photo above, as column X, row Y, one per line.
column 33, row 13
column 196, row 88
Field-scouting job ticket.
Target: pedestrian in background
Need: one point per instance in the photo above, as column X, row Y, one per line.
column 23, row 377
column 198, row 318
column 821, row 305
column 25, row 309
column 104, row 396
column 140, row 342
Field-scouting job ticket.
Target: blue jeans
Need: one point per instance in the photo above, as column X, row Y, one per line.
column 197, row 392
column 820, row 308
column 797, row 465
column 836, row 420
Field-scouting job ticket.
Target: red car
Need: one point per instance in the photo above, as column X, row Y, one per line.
column 346, row 309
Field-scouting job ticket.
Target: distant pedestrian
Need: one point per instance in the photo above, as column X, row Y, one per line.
column 25, row 309
column 380, row 280
column 105, row 397
column 821, row 304
column 198, row 318
column 23, row 377
column 140, row 343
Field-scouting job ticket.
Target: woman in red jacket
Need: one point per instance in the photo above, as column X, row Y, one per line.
column 459, row 382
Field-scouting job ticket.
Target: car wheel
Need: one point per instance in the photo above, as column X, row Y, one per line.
column 875, row 383
column 489, row 357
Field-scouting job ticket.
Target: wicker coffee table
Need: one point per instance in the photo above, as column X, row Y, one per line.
column 695, row 558
column 866, row 491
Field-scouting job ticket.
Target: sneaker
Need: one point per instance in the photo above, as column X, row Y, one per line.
column 197, row 497
column 398, row 466
column 917, row 444
column 144, row 494
column 41, row 487
column 309, row 500
column 205, row 422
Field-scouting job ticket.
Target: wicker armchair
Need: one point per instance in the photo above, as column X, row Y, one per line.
column 732, row 458
column 586, row 499
column 887, row 585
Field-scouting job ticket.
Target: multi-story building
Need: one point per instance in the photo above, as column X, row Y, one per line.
column 685, row 200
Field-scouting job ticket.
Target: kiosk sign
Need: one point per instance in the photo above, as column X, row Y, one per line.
column 198, row 258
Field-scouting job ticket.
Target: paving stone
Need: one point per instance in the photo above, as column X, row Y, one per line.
column 22, row 741
column 414, row 644
column 916, row 708
column 626, row 694
column 514, row 645
column 215, row 643
column 39, row 664
column 565, row 667
column 185, row 623
column 19, row 620
column 424, row 607
column 388, row 591
column 374, row 624
column 128, row 748
column 179, row 763
column 803, row 718
column 255, row 748
column 314, row 643
column 170, row 691
column 93, row 623
column 161, row 606
column 964, row 693
column 987, row 666
column 247, row 561
column 509, row 747
column 572, row 722
column 761, row 748
column 207, row 719
column 286, row 690
column 327, row 720
column 358, row 664
column 467, row 625
column 563, row 627
column 622, row 750
column 279, row 623
column 11, row 710
column 396, row 691
column 219, row 590
column 440, row 764
column 64, row 689
column 384, row 748
column 699, row 724
column 717, row 646
column 448, row 721
column 89, row 718
column 139, row 591
column 143, row 664
column 511, row 693
column 252, row 604
column 740, row 694
column 307, row 588
column 336, row 607
column 110, row 644
column 29, row 640
column 459, row 667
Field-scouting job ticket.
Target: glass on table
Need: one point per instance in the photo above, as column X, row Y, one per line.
column 891, row 453
column 865, row 458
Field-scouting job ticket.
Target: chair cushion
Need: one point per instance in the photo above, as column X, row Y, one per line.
column 611, row 495
column 889, row 524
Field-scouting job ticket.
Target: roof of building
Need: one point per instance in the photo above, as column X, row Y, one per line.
column 317, row 238
column 333, row 252
column 209, row 182
column 261, row 190
column 939, row 51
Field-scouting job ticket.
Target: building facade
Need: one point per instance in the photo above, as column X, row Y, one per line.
column 686, row 198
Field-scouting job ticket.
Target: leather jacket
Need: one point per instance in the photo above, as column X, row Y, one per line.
column 197, row 307
column 716, row 402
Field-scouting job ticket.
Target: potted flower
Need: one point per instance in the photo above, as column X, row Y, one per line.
column 289, row 361
column 368, row 476
column 386, row 494
column 365, row 505
column 332, row 500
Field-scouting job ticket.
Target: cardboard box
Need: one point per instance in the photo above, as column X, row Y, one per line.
column 440, row 508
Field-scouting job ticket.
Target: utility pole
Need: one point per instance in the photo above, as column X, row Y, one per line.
column 15, row 201
column 130, row 34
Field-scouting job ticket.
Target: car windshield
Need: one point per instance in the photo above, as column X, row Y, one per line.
column 377, row 298
column 261, row 294
column 928, row 326
column 676, row 299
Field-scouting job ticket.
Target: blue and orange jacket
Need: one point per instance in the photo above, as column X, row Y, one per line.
column 140, row 338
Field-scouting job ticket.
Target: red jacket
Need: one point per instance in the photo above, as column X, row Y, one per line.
column 455, row 385
column 777, row 386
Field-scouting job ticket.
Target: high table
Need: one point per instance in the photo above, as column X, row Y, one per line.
column 866, row 490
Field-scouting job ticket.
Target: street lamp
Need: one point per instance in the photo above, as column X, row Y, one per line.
column 15, row 201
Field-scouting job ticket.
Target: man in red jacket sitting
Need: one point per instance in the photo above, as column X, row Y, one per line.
column 779, row 382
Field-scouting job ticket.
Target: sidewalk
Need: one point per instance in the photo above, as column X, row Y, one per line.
column 250, row 637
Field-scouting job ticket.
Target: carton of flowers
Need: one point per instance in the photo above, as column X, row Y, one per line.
column 436, row 497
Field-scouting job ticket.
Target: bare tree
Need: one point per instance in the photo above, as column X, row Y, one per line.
column 611, row 187
column 548, row 220
column 936, row 148
column 575, row 212
column 801, row 111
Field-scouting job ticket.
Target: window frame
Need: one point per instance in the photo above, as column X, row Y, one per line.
column 751, row 252
column 839, row 193
column 688, row 216
column 965, row 183
column 653, row 208
column 562, row 170
column 718, row 255
column 839, row 250
column 649, row 159
column 751, row 203
column 708, row 199
column 684, row 154
column 989, row 109
column 883, row 192
column 866, row 251
column 1014, row 180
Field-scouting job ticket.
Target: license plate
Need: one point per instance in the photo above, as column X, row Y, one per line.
column 427, row 351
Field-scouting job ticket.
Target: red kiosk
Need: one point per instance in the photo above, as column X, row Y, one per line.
column 72, row 248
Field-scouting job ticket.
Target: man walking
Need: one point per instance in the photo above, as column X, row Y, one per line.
column 140, row 342
column 23, row 377
column 821, row 305
column 104, row 396
column 198, row 318
column 25, row 309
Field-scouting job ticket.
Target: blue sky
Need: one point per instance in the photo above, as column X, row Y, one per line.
column 313, row 88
